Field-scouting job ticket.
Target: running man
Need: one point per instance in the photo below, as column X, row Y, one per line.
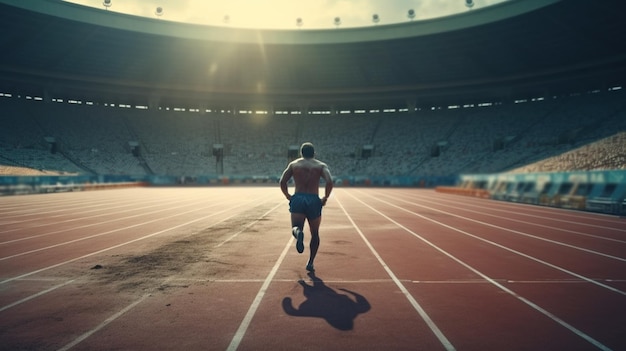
column 305, row 203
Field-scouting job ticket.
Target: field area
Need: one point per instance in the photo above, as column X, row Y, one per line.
column 215, row 268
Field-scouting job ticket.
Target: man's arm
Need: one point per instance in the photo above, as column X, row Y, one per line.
column 284, row 178
column 328, row 179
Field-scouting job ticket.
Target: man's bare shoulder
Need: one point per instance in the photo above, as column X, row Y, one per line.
column 322, row 164
column 305, row 162
column 308, row 163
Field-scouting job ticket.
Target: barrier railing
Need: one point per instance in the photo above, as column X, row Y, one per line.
column 599, row 191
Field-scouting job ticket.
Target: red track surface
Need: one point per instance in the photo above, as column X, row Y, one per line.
column 216, row 269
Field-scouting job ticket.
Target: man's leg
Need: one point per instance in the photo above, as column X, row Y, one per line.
column 314, row 225
column 297, row 229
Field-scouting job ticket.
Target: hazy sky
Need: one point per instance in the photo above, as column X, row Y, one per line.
column 282, row 14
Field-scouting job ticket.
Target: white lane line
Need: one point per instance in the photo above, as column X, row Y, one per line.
column 35, row 295
column 534, row 306
column 35, row 208
column 92, row 224
column 114, row 230
column 515, row 231
column 103, row 324
column 128, row 242
column 439, row 202
column 587, row 279
column 103, row 209
column 255, row 280
column 249, row 225
column 144, row 205
column 431, row 324
column 571, row 213
column 245, row 323
column 385, row 281
column 37, row 212
column 118, row 314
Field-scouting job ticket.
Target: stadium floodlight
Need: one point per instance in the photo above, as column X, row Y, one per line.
column 375, row 18
column 469, row 3
column 159, row 11
column 106, row 4
column 411, row 14
column 299, row 22
column 337, row 21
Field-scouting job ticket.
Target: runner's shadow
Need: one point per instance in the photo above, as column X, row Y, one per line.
column 339, row 310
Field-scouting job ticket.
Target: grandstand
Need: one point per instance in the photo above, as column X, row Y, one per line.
column 568, row 133
column 114, row 96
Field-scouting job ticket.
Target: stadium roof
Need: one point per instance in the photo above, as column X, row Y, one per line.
column 51, row 47
column 289, row 14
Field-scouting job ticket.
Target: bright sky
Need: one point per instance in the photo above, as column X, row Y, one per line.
column 282, row 14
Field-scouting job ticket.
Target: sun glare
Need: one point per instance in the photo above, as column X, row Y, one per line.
column 288, row 14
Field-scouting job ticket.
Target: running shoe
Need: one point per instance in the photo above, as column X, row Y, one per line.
column 299, row 235
column 310, row 268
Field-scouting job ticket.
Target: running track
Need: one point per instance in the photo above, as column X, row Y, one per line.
column 216, row 269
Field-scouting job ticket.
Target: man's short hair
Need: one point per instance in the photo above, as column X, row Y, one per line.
column 307, row 150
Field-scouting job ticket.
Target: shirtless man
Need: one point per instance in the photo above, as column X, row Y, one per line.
column 305, row 203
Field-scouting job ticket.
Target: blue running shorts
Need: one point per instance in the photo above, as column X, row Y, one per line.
column 308, row 204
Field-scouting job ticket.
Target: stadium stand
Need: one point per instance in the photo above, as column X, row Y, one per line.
column 571, row 133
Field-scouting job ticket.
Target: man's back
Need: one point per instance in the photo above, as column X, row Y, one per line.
column 306, row 173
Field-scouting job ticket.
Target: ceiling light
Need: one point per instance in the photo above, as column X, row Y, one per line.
column 411, row 14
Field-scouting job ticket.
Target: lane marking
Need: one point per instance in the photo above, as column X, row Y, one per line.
column 132, row 305
column 91, row 224
column 245, row 323
column 385, row 281
column 576, row 214
column 107, row 321
column 504, row 247
column 256, row 280
column 37, row 209
column 35, row 295
column 514, row 231
column 38, row 212
column 177, row 214
column 97, row 235
column 518, row 220
column 249, row 225
column 534, row 306
column 128, row 242
column 103, row 324
column 145, row 205
column 431, row 324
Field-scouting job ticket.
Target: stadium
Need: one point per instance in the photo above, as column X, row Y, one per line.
column 411, row 104
column 522, row 101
